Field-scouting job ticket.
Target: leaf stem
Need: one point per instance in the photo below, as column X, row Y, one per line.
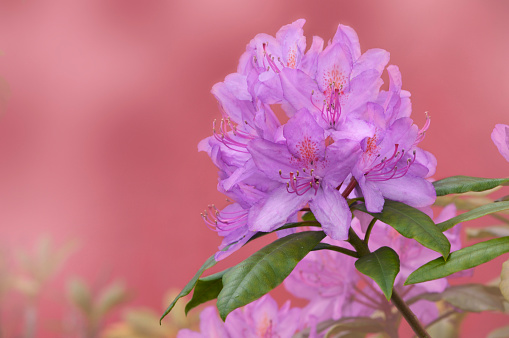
column 363, row 250
column 368, row 231
column 325, row 246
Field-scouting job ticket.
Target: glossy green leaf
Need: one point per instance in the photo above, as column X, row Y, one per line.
column 473, row 214
column 491, row 231
column 461, row 184
column 264, row 270
column 412, row 223
column 382, row 266
column 207, row 288
column 460, row 260
column 189, row 286
column 287, row 226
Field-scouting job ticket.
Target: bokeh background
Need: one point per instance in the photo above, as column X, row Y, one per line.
column 109, row 99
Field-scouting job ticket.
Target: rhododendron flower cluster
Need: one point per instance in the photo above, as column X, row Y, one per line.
column 339, row 159
column 341, row 128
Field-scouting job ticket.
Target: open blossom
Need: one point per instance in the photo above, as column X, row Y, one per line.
column 261, row 318
column 500, row 137
column 309, row 172
column 345, row 80
column 266, row 56
column 389, row 166
column 327, row 279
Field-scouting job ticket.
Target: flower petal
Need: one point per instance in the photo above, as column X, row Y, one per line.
column 274, row 211
column 305, row 138
column 372, row 194
column 500, row 137
column 375, row 58
column 332, row 211
column 334, row 68
column 271, row 157
column 297, row 88
column 411, row 190
column 346, row 36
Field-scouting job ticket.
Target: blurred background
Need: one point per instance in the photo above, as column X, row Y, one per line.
column 101, row 182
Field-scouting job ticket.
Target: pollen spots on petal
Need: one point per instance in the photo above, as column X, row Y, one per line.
column 372, row 150
column 292, row 58
column 308, row 150
column 333, row 79
column 264, row 327
column 371, row 147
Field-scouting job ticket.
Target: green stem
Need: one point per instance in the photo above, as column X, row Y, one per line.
column 325, row 246
column 363, row 250
column 368, row 231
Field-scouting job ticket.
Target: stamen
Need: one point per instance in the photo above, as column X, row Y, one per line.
column 270, row 59
column 388, row 169
column 233, row 138
column 331, row 109
column 222, row 220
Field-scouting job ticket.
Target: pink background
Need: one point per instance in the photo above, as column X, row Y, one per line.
column 109, row 99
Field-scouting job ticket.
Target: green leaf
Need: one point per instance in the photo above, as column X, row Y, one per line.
column 264, row 270
column 473, row 214
column 461, row 184
column 412, row 223
column 206, row 289
column 491, row 231
column 309, row 217
column 474, row 297
column 355, row 325
column 287, row 226
column 460, row 260
column 189, row 286
column 382, row 266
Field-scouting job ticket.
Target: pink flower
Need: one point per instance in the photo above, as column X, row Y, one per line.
column 259, row 319
column 327, row 279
